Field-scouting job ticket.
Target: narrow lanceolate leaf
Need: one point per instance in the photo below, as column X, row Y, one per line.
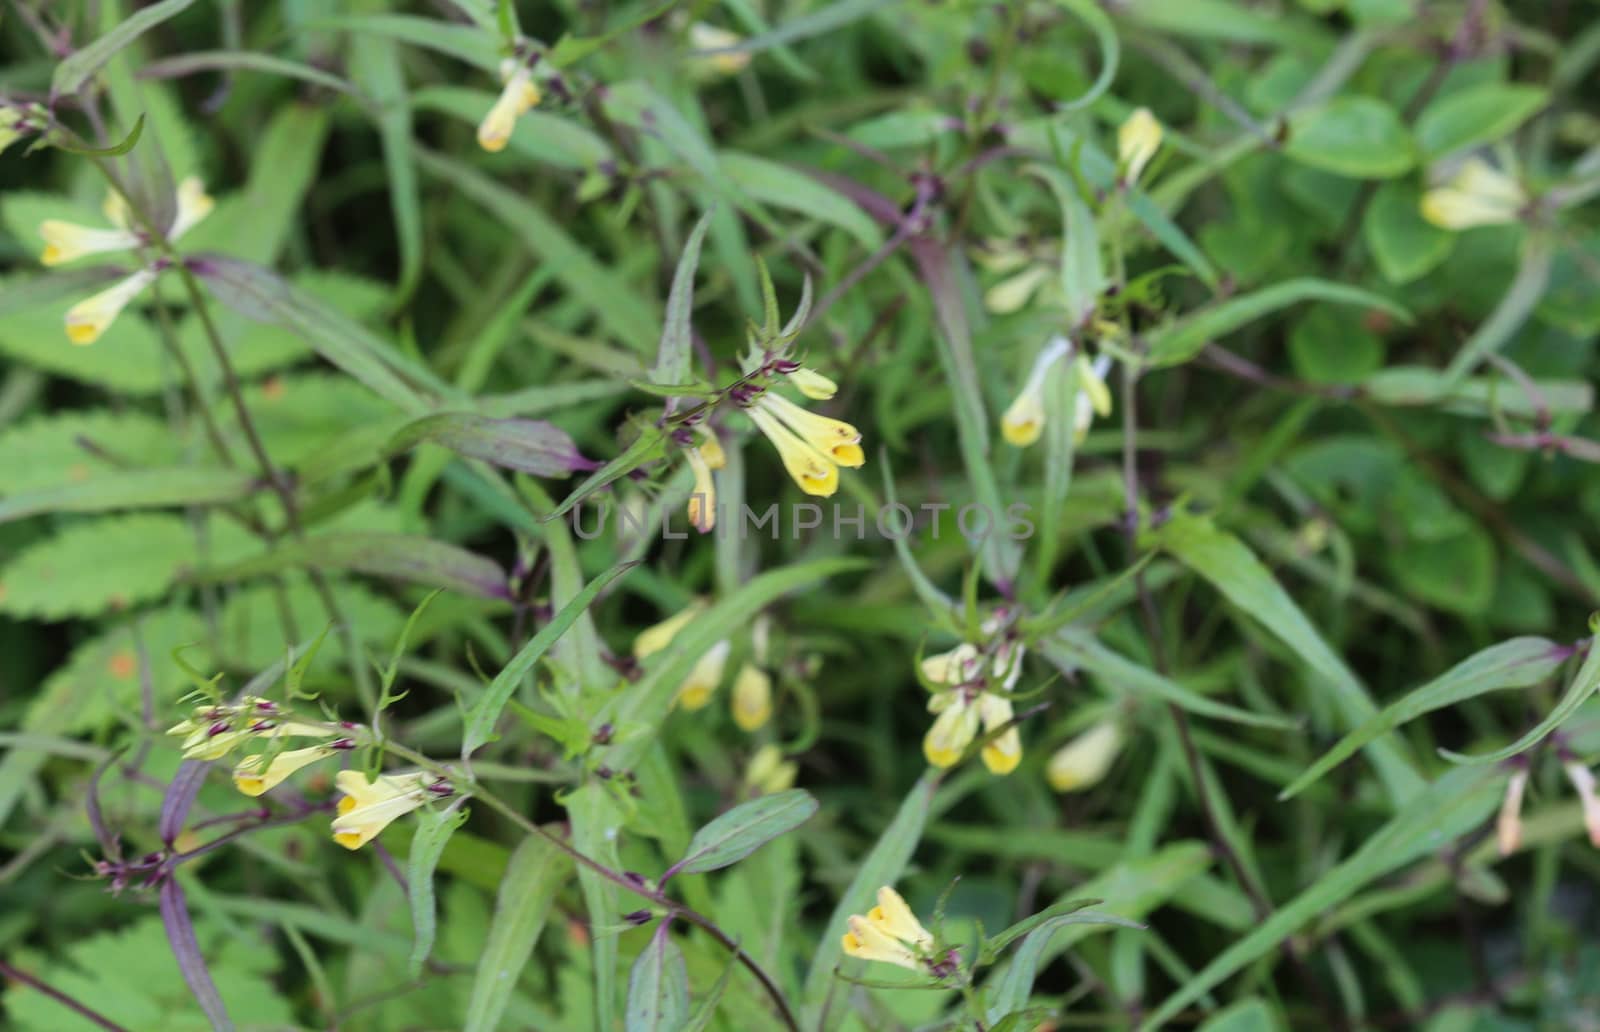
column 744, row 829
column 403, row 557
column 241, row 61
column 1016, row 983
column 186, row 950
column 672, row 358
column 1447, row 809
column 525, row 445
column 434, row 829
column 650, row 445
column 1518, row 302
column 375, row 65
column 483, row 715
column 76, row 69
column 533, row 877
column 658, row 987
column 882, row 866
column 138, row 489
column 1229, row 565
column 1184, row 339
column 1518, row 663
column 1584, row 684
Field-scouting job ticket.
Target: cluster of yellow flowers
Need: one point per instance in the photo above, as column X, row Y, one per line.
column 751, row 704
column 1025, row 418
column 1478, row 194
column 66, row 242
column 967, row 700
column 890, row 933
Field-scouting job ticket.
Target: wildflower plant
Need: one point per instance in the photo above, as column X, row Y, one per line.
column 798, row 516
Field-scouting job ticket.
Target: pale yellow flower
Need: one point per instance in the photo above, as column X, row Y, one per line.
column 194, row 204
column 1083, row 761
column 769, row 773
column 1508, row 826
column 1024, row 420
column 709, row 37
column 752, row 697
column 809, row 468
column 1477, row 195
column 370, row 806
column 517, row 98
column 1138, row 139
column 968, row 705
column 251, row 778
column 1011, row 293
column 92, row 316
column 889, row 933
column 1583, row 783
column 67, row 241
column 835, row 439
column 703, row 499
column 711, row 448
column 697, row 688
column 813, row 384
column 1094, row 397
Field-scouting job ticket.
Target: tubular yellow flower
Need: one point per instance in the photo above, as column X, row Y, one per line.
column 752, row 697
column 1138, row 139
column 953, row 731
column 1584, row 784
column 703, row 499
column 369, row 807
column 702, row 681
column 809, row 468
column 251, row 778
column 813, row 384
column 1024, row 420
column 518, row 97
column 1477, row 195
column 88, row 319
column 1094, row 397
column 1003, row 754
column 957, row 666
column 711, row 449
column 654, row 639
column 710, row 37
column 1083, row 761
column 889, row 933
column 1011, row 293
column 67, row 241
column 769, row 772
column 1508, row 826
column 194, row 204
column 837, row 440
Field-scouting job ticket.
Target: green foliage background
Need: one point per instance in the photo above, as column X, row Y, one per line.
column 1329, row 563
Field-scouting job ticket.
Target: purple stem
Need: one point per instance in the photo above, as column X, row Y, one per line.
column 186, row 948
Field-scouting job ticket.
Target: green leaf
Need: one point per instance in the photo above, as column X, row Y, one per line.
column 658, row 987
column 434, row 828
column 115, row 150
column 241, row 61
column 744, row 829
column 1584, row 683
column 1227, row 20
column 525, row 445
column 76, row 69
column 1184, row 339
column 1252, row 1015
column 463, row 42
column 375, row 66
column 1404, row 244
column 481, row 719
column 535, row 874
column 1476, row 115
column 402, row 557
column 1356, row 137
column 780, row 186
column 1445, row 810
column 1235, row 571
column 539, row 135
column 650, row 445
column 672, row 356
column 1455, row 573
column 1016, row 983
column 1518, row 302
column 137, row 489
column 68, row 447
column 596, row 823
column 882, row 866
column 1518, row 663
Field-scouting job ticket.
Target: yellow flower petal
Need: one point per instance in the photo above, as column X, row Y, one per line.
column 1083, row 762
column 809, row 468
column 895, row 918
column 369, row 807
column 1023, row 421
column 866, row 942
column 194, row 204
column 704, row 678
column 250, row 778
column 770, row 772
column 66, row 241
column 834, row 438
column 813, row 384
column 1477, row 195
column 703, row 499
column 711, row 449
column 709, row 37
column 752, row 697
column 1010, row 294
column 1138, row 139
column 654, row 639
column 89, row 318
column 951, row 733
column 519, row 96
column 1003, row 754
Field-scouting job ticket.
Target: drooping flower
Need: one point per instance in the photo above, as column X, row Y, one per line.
column 518, row 96
column 769, row 773
column 1477, row 195
column 703, row 499
column 711, row 37
column 813, row 384
column 1024, row 420
column 66, row 241
column 370, row 806
column 1508, row 825
column 1094, row 397
column 254, row 778
column 968, row 704
column 1083, row 761
column 1138, row 139
column 812, row 447
column 752, row 697
column 889, row 933
column 697, row 688
column 1583, row 783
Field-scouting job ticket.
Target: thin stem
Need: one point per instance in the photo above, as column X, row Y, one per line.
column 60, row 997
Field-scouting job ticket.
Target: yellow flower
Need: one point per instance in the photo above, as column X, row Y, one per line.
column 214, row 731
column 1094, row 397
column 710, row 37
column 67, row 241
column 194, row 204
column 813, row 384
column 517, row 98
column 369, row 807
column 808, row 467
column 968, row 704
column 1583, row 783
column 1024, row 420
column 1083, row 761
column 1138, row 139
column 769, row 772
column 703, row 499
column 1010, row 294
column 90, row 318
column 711, row 448
column 1508, row 826
column 889, row 933
column 697, row 688
column 752, row 697
column 654, row 639
column 1477, row 195
column 252, row 779
column 837, row 440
